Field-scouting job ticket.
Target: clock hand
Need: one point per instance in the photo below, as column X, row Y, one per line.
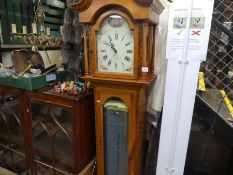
column 113, row 48
column 123, row 37
column 106, row 43
column 112, row 45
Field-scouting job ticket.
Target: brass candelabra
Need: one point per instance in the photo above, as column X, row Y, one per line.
column 42, row 38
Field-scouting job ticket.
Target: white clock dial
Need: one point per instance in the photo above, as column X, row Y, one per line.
column 115, row 46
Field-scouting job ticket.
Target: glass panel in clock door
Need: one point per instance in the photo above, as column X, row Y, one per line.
column 115, row 137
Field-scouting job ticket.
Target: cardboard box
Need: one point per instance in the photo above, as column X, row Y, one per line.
column 32, row 83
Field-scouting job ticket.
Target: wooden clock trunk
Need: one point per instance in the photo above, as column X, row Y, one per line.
column 120, row 129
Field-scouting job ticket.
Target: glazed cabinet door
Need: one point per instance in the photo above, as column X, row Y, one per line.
column 12, row 150
column 52, row 138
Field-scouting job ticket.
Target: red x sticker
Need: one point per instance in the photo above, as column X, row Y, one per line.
column 196, row 32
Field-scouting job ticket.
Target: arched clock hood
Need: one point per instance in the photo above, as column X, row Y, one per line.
column 149, row 9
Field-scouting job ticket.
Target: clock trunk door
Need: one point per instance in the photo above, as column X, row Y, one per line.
column 116, row 138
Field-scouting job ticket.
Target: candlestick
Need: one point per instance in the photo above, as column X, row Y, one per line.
column 61, row 29
column 13, row 26
column 42, row 28
column 34, row 29
column 24, row 30
column 38, row 35
column 48, row 30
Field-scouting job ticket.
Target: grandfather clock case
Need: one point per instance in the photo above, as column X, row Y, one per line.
column 119, row 42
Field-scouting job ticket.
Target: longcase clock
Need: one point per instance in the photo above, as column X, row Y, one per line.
column 119, row 41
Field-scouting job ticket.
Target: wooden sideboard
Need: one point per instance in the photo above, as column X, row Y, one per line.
column 45, row 133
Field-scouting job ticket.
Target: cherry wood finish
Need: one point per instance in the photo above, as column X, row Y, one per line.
column 81, row 133
column 132, row 89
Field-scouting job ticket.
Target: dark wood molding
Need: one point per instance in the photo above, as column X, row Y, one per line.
column 154, row 4
column 82, row 5
column 145, row 2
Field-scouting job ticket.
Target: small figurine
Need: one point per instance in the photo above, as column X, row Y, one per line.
column 71, row 87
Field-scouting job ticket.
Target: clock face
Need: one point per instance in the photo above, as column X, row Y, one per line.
column 115, row 46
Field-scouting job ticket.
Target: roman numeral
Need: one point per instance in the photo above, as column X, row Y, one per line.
column 129, row 51
column 116, row 65
column 105, row 68
column 103, row 50
column 106, row 43
column 109, row 37
column 123, row 38
column 110, row 62
column 116, row 36
column 128, row 69
column 127, row 44
column 127, row 58
column 105, row 57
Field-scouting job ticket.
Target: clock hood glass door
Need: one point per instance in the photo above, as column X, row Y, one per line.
column 115, row 46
